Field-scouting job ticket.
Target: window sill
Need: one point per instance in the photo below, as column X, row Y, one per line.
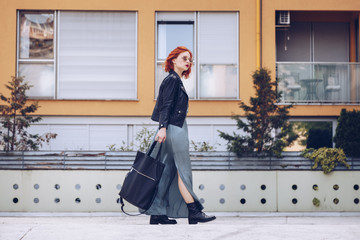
column 212, row 100
column 94, row 100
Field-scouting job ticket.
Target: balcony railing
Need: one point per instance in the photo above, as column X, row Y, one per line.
column 337, row 83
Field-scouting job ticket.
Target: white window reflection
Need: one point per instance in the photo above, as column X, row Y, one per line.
column 189, row 83
column 173, row 35
column 36, row 36
column 41, row 77
column 218, row 81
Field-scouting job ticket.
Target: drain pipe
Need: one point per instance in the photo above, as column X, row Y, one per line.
column 259, row 34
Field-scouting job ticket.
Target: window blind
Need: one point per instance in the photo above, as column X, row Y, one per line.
column 218, row 36
column 218, row 54
column 97, row 55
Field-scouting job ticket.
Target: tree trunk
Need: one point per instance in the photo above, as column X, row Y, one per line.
column 13, row 133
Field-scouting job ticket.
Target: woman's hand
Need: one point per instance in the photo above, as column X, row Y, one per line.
column 161, row 135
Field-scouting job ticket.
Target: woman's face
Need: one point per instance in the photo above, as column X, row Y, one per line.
column 182, row 62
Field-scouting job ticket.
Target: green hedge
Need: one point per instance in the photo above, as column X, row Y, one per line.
column 319, row 138
column 347, row 134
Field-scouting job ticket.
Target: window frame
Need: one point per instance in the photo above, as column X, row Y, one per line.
column 55, row 61
column 37, row 61
column 196, row 65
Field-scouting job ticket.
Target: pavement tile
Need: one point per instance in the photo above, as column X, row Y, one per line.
column 224, row 227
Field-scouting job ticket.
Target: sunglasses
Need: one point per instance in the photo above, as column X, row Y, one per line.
column 187, row 59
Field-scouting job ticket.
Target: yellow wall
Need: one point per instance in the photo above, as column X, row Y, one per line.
column 146, row 50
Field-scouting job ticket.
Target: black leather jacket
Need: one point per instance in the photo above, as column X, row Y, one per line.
column 172, row 102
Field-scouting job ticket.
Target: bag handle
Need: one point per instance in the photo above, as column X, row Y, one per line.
column 152, row 148
column 122, row 209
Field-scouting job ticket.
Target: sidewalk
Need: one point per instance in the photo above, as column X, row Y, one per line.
column 224, row 227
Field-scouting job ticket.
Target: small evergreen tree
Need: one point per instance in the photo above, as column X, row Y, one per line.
column 347, row 135
column 267, row 129
column 15, row 119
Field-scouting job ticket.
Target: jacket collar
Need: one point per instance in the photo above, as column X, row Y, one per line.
column 181, row 83
column 173, row 72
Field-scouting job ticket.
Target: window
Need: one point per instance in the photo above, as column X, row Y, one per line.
column 312, row 134
column 313, row 42
column 78, row 55
column 36, row 52
column 312, row 62
column 213, row 39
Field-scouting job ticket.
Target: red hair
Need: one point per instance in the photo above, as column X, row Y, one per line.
column 168, row 64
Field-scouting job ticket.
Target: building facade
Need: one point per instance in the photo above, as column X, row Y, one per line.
column 95, row 66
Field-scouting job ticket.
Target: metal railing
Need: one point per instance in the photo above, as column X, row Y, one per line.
column 304, row 82
column 91, row 160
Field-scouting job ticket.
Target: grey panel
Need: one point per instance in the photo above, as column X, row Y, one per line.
column 298, row 44
column 331, row 42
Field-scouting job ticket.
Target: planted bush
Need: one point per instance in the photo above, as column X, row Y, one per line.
column 347, row 134
column 327, row 158
column 267, row 130
column 17, row 116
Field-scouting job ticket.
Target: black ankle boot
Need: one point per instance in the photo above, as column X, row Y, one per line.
column 161, row 219
column 196, row 215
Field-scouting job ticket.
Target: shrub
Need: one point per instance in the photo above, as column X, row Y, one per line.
column 267, row 129
column 15, row 119
column 347, row 134
column 144, row 139
column 202, row 146
column 318, row 138
column 328, row 158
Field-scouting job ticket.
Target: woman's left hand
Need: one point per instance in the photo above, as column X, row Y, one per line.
column 161, row 135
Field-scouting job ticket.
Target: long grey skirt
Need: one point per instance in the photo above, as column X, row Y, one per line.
column 175, row 156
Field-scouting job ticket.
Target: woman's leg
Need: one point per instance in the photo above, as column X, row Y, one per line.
column 184, row 192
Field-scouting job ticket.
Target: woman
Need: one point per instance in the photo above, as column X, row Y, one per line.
column 175, row 197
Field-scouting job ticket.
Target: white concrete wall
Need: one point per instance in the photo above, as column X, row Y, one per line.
column 96, row 133
column 265, row 191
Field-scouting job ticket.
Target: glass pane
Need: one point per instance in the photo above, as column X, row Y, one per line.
column 355, row 83
column 311, row 135
column 41, row 77
column 189, row 83
column 175, row 16
column 218, row 38
column 36, row 35
column 171, row 36
column 218, row 81
column 97, row 55
column 314, row 82
column 331, row 41
column 293, row 45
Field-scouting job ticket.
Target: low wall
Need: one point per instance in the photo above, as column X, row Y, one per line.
column 220, row 190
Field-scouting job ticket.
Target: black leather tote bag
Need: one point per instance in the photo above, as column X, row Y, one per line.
column 140, row 184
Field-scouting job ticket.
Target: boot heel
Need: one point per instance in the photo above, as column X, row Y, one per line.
column 193, row 221
column 154, row 222
column 161, row 219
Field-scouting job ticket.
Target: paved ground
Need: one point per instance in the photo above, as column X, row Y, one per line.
column 119, row 227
